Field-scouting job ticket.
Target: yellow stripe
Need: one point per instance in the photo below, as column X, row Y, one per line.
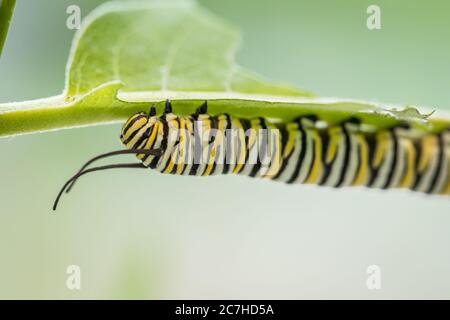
column 204, row 141
column 447, row 188
column 128, row 121
column 253, row 133
column 173, row 129
column 217, row 141
column 182, row 146
column 170, row 165
column 136, row 126
column 428, row 145
column 273, row 145
column 137, row 136
column 335, row 134
column 317, row 165
column 292, row 129
column 240, row 161
column 381, row 148
column 251, row 140
column 361, row 177
column 210, row 165
column 408, row 179
column 150, row 140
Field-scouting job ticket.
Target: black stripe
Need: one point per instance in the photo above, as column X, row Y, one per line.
column 275, row 150
column 133, row 134
column 302, row 154
column 439, row 164
column 345, row 163
column 212, row 139
column 130, row 124
column 198, row 148
column 263, row 146
column 177, row 159
column 358, row 159
column 371, row 146
column 246, row 125
column 177, row 156
column 142, row 138
column 163, row 147
column 403, row 152
column 394, row 159
column 418, row 176
column 313, row 158
column 187, row 145
column 284, row 139
column 325, row 136
column 227, row 149
column 151, row 146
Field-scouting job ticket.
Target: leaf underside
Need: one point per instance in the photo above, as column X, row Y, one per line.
column 130, row 54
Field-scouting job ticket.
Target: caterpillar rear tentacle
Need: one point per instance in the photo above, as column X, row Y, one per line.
column 306, row 150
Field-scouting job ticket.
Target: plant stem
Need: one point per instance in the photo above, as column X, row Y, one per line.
column 55, row 113
column 6, row 12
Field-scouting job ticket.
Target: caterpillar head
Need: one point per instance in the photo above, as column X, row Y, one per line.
column 136, row 123
column 138, row 126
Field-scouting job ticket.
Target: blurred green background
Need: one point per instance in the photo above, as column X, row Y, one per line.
column 145, row 235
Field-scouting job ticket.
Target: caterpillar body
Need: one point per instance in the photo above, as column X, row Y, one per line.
column 305, row 150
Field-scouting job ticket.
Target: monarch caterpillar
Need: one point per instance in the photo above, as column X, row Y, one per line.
column 305, row 150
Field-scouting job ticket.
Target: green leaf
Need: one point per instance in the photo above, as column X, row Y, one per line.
column 6, row 12
column 130, row 54
column 160, row 46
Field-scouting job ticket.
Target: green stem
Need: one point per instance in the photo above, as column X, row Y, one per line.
column 55, row 118
column 6, row 12
column 56, row 113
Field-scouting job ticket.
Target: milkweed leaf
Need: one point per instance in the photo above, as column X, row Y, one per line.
column 128, row 54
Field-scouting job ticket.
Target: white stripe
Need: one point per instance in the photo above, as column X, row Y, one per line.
column 428, row 175
column 338, row 163
column 292, row 162
column 385, row 165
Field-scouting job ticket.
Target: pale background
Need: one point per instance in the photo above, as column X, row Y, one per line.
column 144, row 235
